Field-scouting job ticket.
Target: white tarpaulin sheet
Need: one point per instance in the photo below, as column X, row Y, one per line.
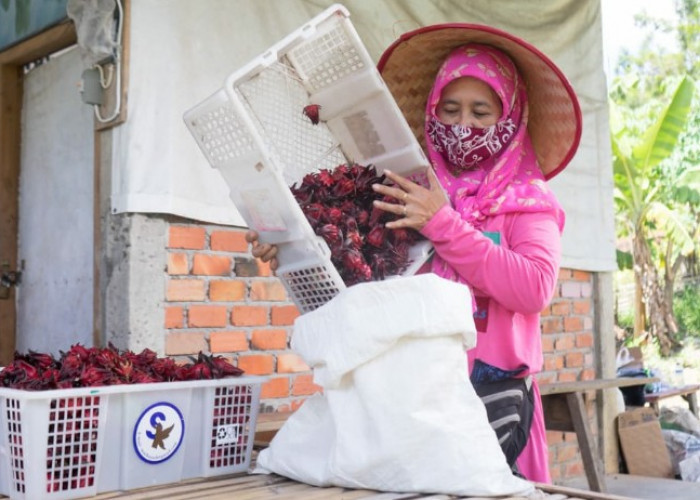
column 182, row 51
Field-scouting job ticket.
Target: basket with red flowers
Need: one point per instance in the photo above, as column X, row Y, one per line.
column 101, row 419
column 287, row 123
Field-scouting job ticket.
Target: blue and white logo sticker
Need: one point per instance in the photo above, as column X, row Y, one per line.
column 158, row 432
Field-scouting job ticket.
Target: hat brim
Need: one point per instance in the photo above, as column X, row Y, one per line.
column 410, row 64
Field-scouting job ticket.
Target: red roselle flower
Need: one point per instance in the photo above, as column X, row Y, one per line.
column 83, row 367
column 311, row 111
column 338, row 205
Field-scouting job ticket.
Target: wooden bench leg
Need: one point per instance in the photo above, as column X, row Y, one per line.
column 692, row 400
column 591, row 461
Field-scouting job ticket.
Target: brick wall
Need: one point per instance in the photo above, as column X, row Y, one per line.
column 220, row 299
column 567, row 342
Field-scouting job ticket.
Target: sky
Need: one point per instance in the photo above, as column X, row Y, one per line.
column 619, row 30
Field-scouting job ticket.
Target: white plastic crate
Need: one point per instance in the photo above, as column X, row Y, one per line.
column 255, row 133
column 74, row 443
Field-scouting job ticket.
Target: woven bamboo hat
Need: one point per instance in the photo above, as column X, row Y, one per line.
column 410, row 64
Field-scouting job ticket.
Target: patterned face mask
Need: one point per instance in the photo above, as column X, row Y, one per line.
column 465, row 147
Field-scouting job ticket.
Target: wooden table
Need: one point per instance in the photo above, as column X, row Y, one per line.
column 565, row 411
column 687, row 392
column 267, row 487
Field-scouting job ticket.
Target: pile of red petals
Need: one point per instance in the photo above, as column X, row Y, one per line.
column 89, row 367
column 338, row 205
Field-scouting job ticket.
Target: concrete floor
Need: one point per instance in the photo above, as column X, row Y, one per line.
column 644, row 488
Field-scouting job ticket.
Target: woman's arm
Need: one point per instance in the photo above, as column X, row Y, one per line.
column 521, row 277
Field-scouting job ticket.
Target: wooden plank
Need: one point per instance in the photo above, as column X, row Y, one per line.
column 47, row 42
column 573, row 493
column 10, row 140
column 185, row 487
column 591, row 461
column 605, row 354
column 594, row 385
column 672, row 392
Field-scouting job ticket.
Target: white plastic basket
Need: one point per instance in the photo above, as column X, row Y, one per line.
column 255, row 133
column 74, row 443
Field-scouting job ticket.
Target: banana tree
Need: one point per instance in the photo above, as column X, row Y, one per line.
column 643, row 200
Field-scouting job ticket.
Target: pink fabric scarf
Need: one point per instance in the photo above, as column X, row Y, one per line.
column 511, row 180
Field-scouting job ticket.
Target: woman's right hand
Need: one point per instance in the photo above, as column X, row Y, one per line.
column 263, row 251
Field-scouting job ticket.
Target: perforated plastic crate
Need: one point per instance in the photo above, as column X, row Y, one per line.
column 75, row 443
column 255, row 133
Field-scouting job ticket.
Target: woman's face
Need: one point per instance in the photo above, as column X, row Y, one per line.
column 468, row 102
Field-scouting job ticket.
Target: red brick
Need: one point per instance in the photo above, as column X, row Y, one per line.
column 564, row 343
column 181, row 290
column 283, row 315
column 269, row 339
column 291, row 363
column 582, row 306
column 211, row 265
column 177, row 263
column 552, row 363
column 584, row 340
column 178, row 343
column 546, row 378
column 207, row 316
column 174, row 317
column 228, row 241
column 554, row 437
column 256, row 364
column 554, row 325
column 561, row 308
column 193, row 238
column 573, row 324
column 277, row 387
column 228, row 341
column 565, row 274
column 566, row 377
column 303, row 385
column 588, row 374
column 578, row 275
column 249, row 316
column 547, row 344
column 571, row 289
column 267, row 290
column 574, row 359
column 227, row 290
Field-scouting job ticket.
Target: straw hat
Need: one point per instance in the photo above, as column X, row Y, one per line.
column 410, row 64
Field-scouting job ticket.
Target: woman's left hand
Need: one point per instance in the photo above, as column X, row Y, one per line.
column 416, row 204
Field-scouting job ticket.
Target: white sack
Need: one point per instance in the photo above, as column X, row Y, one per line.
column 398, row 412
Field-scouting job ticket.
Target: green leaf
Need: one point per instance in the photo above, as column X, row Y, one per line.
column 624, row 260
column 661, row 138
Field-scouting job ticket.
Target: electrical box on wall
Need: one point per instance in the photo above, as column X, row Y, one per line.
column 91, row 91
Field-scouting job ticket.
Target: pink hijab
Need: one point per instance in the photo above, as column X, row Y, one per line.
column 509, row 182
column 512, row 181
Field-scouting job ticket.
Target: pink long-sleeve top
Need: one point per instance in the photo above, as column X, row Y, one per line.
column 512, row 281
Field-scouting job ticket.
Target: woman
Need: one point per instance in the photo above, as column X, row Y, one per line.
column 499, row 120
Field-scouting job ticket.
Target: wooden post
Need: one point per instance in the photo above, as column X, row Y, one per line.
column 606, row 400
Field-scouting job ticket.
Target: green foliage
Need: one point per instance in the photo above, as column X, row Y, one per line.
column 624, row 260
column 686, row 306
